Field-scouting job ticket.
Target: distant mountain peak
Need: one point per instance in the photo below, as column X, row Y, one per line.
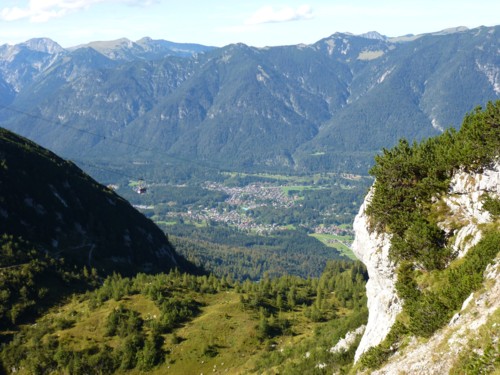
column 146, row 48
column 452, row 30
column 340, row 35
column 145, row 39
column 336, row 101
column 43, row 45
column 373, row 35
column 111, row 44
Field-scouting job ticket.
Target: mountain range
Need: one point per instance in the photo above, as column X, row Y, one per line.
column 330, row 105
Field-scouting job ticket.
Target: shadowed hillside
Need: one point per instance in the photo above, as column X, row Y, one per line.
column 63, row 212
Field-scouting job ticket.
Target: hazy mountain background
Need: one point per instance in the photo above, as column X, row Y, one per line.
column 327, row 106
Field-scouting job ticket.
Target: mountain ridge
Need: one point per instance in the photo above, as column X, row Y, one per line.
column 62, row 212
column 331, row 105
column 369, row 35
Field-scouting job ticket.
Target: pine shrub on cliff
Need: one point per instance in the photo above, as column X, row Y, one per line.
column 409, row 178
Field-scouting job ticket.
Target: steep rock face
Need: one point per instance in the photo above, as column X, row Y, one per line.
column 464, row 202
column 464, row 217
column 372, row 249
column 348, row 340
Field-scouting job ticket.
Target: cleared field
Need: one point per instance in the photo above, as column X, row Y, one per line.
column 338, row 242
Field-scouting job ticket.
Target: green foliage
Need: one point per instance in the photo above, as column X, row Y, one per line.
column 227, row 251
column 406, row 285
column 36, row 349
column 30, row 353
column 482, row 354
column 342, row 285
column 128, row 351
column 483, row 363
column 263, row 327
column 31, row 280
column 151, row 354
column 174, row 307
column 123, row 322
column 408, row 176
column 108, row 331
column 424, row 241
column 376, row 356
column 429, row 310
column 303, row 358
column 491, row 205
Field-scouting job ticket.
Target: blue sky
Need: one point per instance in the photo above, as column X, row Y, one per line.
column 221, row 22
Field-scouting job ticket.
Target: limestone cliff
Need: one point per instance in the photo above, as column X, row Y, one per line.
column 463, row 221
column 372, row 249
column 464, row 202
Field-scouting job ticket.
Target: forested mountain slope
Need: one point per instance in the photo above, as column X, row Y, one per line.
column 183, row 324
column 61, row 211
column 331, row 105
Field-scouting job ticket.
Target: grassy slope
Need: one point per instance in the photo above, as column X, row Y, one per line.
column 337, row 242
column 222, row 325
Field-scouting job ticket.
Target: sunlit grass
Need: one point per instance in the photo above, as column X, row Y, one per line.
column 222, row 338
column 337, row 242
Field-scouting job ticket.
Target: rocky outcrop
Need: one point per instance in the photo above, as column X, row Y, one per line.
column 464, row 215
column 348, row 340
column 465, row 205
column 372, row 248
column 438, row 355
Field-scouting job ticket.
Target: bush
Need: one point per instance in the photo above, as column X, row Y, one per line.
column 491, row 205
column 123, row 322
column 429, row 310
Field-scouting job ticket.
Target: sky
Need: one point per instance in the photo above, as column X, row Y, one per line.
column 218, row 23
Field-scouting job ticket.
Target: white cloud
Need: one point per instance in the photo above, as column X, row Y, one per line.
column 268, row 14
column 44, row 10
